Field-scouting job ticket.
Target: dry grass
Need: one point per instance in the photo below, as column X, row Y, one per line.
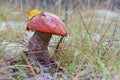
column 81, row 56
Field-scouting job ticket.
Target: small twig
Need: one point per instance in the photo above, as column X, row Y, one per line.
column 33, row 52
column 113, row 59
column 84, row 24
column 104, row 33
column 109, row 43
column 66, row 11
column 114, row 40
column 7, row 78
column 93, row 13
column 58, row 44
column 31, row 68
column 114, row 32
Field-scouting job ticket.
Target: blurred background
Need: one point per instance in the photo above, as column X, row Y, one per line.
column 46, row 4
column 59, row 6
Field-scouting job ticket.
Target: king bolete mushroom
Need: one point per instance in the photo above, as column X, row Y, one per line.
column 44, row 24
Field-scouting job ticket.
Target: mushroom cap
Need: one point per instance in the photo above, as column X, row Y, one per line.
column 47, row 23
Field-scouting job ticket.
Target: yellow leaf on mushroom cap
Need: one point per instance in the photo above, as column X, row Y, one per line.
column 33, row 13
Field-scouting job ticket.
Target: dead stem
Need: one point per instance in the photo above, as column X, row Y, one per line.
column 84, row 25
column 30, row 67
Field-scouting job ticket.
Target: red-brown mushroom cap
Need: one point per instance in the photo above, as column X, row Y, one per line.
column 47, row 23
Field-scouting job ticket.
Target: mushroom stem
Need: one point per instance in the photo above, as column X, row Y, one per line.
column 38, row 45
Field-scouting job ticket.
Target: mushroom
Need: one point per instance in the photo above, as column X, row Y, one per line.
column 44, row 24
